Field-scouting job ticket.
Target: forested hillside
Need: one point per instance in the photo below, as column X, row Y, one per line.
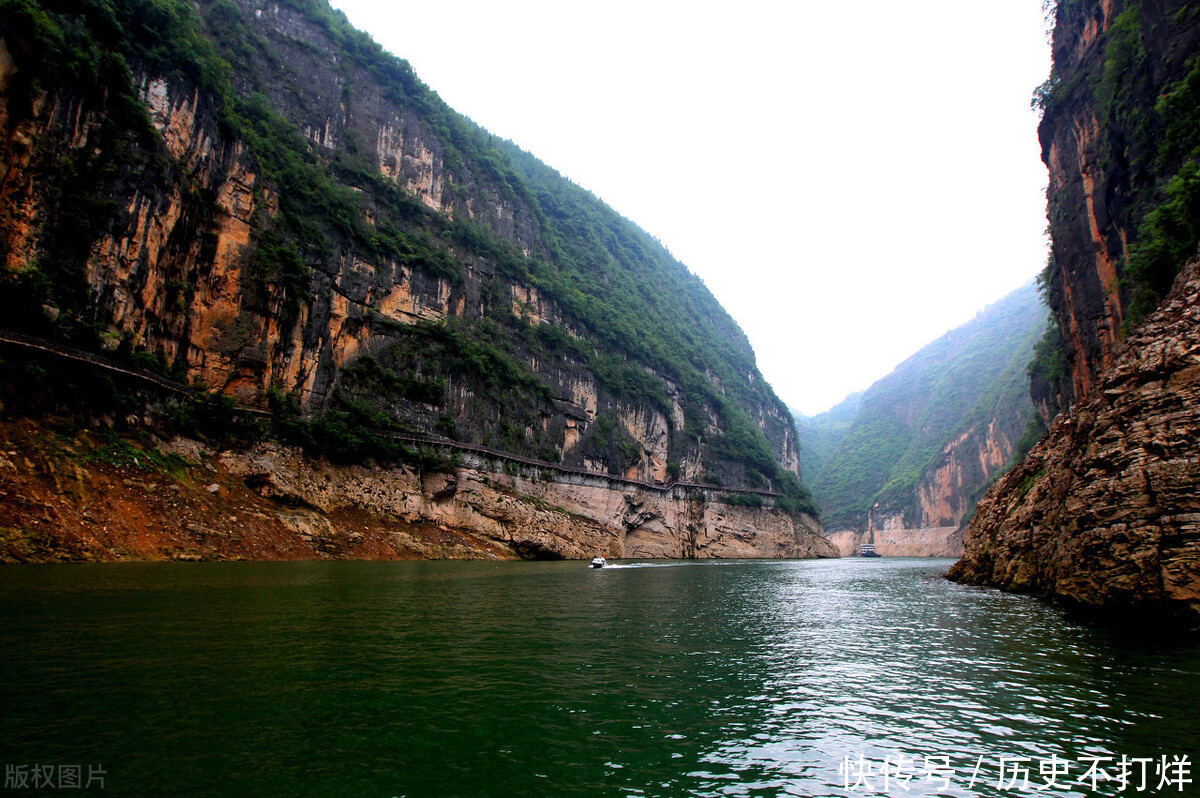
column 256, row 199
column 820, row 435
column 932, row 433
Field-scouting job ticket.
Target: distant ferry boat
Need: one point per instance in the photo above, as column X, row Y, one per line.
column 867, row 550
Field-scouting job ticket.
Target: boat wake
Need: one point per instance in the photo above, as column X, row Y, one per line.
column 613, row 565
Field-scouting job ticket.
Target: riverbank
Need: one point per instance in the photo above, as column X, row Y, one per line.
column 940, row 541
column 69, row 493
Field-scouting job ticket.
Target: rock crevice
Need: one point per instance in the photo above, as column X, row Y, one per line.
column 1104, row 511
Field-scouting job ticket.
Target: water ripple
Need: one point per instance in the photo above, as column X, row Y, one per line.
column 653, row 679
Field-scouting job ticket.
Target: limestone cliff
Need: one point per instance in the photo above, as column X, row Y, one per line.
column 254, row 198
column 300, row 213
column 931, row 435
column 1105, row 510
column 95, row 496
column 1118, row 124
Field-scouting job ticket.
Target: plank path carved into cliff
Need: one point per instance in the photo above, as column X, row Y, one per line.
column 50, row 347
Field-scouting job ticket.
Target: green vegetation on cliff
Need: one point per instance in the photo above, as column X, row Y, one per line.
column 626, row 314
column 1098, row 513
column 1136, row 92
column 959, row 384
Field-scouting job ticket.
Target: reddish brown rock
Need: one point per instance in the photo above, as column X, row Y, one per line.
column 181, row 266
column 1105, row 168
column 85, row 496
column 1105, row 511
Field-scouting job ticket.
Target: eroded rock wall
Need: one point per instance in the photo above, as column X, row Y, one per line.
column 1105, row 511
column 562, row 517
column 86, row 498
column 896, row 540
column 206, row 265
column 946, row 491
column 1100, row 138
column 927, row 439
column 945, row 495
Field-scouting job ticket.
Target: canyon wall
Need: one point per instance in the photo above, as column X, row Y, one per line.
column 93, row 497
column 928, row 438
column 254, row 199
column 333, row 209
column 929, row 524
column 1103, row 512
column 896, row 540
column 1111, row 139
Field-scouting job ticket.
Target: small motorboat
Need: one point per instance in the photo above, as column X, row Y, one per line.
column 599, row 562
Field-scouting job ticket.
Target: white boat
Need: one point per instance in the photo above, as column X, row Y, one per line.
column 599, row 562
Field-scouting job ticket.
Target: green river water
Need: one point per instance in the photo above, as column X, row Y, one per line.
column 464, row 679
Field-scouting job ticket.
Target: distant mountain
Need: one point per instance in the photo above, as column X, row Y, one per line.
column 929, row 436
column 820, row 435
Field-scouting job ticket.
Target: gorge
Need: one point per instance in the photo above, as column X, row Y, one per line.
column 257, row 201
column 400, row 336
column 905, row 461
column 1103, row 511
column 317, row 400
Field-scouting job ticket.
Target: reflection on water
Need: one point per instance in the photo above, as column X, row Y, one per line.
column 755, row 678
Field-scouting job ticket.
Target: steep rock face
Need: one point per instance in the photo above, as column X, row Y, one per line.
column 929, row 437
column 547, row 518
column 1105, row 511
column 1107, row 143
column 945, row 497
column 258, row 199
column 893, row 539
column 89, row 498
column 1102, row 512
column 159, row 251
column 944, row 493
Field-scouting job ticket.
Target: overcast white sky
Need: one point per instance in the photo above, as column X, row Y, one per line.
column 851, row 180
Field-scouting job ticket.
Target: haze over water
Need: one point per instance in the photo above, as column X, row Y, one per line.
column 452, row 678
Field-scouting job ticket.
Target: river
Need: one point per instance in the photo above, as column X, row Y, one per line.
column 514, row 678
